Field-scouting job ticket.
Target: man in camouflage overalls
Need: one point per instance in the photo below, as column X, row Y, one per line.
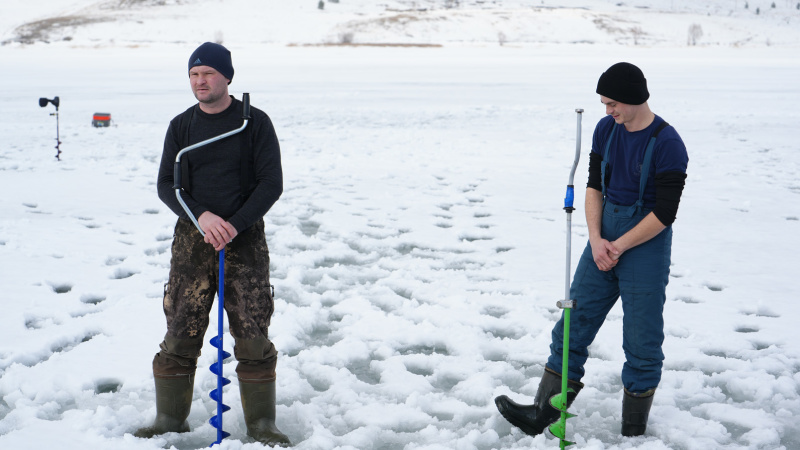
column 229, row 198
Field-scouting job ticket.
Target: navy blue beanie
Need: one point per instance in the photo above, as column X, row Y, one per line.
column 624, row 83
column 213, row 55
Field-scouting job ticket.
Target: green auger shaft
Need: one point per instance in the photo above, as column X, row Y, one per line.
column 559, row 401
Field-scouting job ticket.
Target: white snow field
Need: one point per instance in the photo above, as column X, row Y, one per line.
column 418, row 249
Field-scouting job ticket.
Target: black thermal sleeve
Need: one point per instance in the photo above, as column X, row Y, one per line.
column 669, row 187
column 594, row 171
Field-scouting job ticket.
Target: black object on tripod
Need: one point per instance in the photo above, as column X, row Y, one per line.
column 55, row 101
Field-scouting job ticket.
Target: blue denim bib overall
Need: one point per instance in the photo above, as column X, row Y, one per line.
column 640, row 278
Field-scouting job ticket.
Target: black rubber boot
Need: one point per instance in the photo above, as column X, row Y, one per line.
column 258, row 404
column 173, row 402
column 533, row 419
column 635, row 411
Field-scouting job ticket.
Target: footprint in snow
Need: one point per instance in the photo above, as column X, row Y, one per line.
column 39, row 322
column 114, row 260
column 688, row 299
column 61, row 288
column 121, row 273
column 93, row 299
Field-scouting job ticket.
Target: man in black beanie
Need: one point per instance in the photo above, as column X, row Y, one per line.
column 637, row 170
column 229, row 186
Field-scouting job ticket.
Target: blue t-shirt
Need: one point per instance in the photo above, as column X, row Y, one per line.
column 625, row 156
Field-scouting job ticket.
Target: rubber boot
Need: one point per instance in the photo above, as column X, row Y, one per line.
column 635, row 411
column 173, row 402
column 533, row 419
column 258, row 404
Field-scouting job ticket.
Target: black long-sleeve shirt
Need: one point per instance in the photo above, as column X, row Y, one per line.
column 215, row 170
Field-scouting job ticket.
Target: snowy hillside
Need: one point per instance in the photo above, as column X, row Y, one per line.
column 431, row 22
column 418, row 249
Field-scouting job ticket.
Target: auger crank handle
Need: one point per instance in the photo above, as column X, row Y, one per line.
column 246, row 106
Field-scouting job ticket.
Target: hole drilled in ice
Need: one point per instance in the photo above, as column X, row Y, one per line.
column 106, row 386
column 418, row 369
column 495, row 311
column 121, row 273
column 61, row 288
column 757, row 345
column 35, row 323
column 309, row 227
column 93, row 299
column 160, row 250
column 364, row 372
column 406, row 248
column 746, row 329
column 473, row 238
column 424, row 350
column 343, row 261
column 114, row 260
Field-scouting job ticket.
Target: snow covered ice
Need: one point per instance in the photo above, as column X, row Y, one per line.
column 418, row 249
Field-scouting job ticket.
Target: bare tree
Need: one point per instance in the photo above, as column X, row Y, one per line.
column 637, row 33
column 695, row 33
column 501, row 38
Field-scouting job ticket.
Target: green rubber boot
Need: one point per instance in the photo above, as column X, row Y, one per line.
column 173, row 402
column 258, row 404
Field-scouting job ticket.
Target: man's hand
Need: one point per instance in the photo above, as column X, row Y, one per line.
column 605, row 254
column 218, row 231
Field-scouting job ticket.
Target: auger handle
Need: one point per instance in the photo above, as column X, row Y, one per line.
column 570, row 196
column 246, row 106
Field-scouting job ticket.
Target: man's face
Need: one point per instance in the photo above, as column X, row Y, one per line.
column 208, row 85
column 621, row 112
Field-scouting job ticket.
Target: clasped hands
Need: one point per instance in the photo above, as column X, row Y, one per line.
column 218, row 232
column 605, row 254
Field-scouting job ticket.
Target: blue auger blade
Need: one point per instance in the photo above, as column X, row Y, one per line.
column 215, row 341
column 215, row 395
column 220, row 436
column 216, row 368
column 215, row 421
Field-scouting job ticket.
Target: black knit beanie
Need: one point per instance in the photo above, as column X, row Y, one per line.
column 213, row 55
column 624, row 83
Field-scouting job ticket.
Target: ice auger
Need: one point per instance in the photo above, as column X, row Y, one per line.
column 216, row 341
column 559, row 401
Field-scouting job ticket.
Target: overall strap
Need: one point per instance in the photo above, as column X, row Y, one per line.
column 247, row 174
column 648, row 157
column 604, row 163
column 186, row 120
